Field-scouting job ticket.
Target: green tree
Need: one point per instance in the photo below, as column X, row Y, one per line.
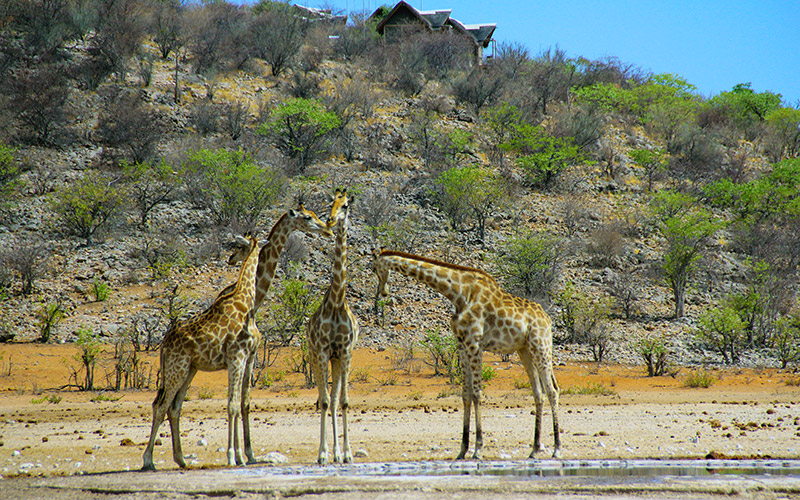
column 299, row 128
column 668, row 102
column 746, row 107
column 530, row 262
column 500, row 122
column 784, row 124
column 471, row 192
column 442, row 350
column 87, row 206
column 235, row 189
column 90, row 348
column 687, row 229
column 540, row 155
column 150, row 185
column 774, row 195
column 652, row 161
column 48, row 316
column 787, row 339
column 721, row 328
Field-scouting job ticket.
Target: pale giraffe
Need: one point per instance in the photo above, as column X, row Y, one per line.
column 331, row 333
column 300, row 219
column 208, row 342
column 486, row 319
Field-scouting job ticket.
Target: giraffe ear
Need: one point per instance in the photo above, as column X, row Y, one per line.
column 242, row 240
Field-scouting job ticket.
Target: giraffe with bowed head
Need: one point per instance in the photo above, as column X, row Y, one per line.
column 486, row 319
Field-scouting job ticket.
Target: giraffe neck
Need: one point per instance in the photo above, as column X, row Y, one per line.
column 269, row 256
column 336, row 292
column 444, row 279
column 244, row 288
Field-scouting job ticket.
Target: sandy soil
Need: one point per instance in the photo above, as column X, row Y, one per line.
column 398, row 414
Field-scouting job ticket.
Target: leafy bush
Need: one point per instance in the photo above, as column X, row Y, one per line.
column 299, row 128
column 89, row 205
column 699, row 379
column 89, row 349
column 235, row 189
column 471, row 193
column 652, row 162
column 654, row 352
column 585, row 318
column 443, row 353
column 150, row 185
column 487, row 373
column 787, row 340
column 48, row 316
column 530, row 262
column 541, row 156
column 722, row 329
column 9, row 171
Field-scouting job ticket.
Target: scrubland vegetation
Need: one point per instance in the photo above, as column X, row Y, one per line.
column 620, row 199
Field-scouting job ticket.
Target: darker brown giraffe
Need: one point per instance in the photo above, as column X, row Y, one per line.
column 486, row 319
column 209, row 341
column 332, row 331
column 299, row 219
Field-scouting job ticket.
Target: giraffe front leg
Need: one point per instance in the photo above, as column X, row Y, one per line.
column 476, row 400
column 348, row 455
column 336, row 385
column 235, row 373
column 321, row 376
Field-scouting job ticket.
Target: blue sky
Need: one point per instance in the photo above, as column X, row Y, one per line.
column 713, row 44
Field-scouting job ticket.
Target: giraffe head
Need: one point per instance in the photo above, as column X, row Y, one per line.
column 381, row 270
column 340, row 207
column 302, row 219
column 298, row 219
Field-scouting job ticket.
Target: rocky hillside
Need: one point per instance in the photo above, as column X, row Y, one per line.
column 130, row 277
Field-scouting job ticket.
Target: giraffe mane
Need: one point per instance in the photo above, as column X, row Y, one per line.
column 272, row 231
column 435, row 262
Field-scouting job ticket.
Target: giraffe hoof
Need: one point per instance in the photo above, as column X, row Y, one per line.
column 556, row 453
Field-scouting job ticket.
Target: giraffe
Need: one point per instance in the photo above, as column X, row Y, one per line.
column 486, row 318
column 299, row 219
column 331, row 332
column 209, row 342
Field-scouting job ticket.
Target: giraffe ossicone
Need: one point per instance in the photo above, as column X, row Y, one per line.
column 486, row 318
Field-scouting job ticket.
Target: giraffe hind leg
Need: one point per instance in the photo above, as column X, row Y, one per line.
column 345, row 404
column 159, row 413
column 174, row 416
column 248, row 448
column 336, row 387
column 533, row 377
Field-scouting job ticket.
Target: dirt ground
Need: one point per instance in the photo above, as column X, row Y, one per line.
column 399, row 412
